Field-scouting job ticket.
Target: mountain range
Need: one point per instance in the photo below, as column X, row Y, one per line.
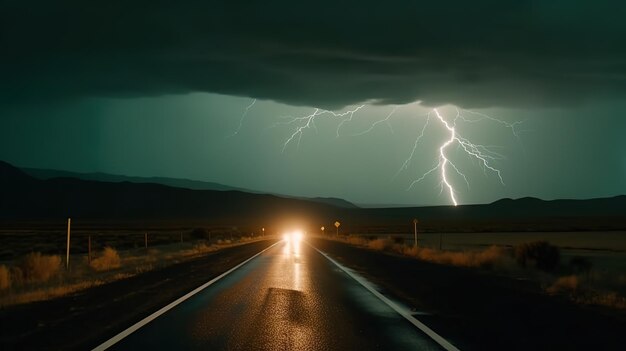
column 172, row 182
column 38, row 194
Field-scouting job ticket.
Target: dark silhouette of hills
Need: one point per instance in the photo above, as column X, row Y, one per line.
column 114, row 178
column 525, row 214
column 172, row 182
column 509, row 209
column 25, row 197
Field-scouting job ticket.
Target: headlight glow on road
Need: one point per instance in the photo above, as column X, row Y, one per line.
column 292, row 240
column 294, row 237
column 297, row 236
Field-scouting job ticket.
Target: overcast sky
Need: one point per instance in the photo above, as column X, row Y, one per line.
column 154, row 88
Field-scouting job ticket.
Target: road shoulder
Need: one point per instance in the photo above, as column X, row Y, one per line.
column 86, row 319
column 477, row 310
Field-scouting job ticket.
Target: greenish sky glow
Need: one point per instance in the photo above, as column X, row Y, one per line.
column 155, row 88
column 562, row 153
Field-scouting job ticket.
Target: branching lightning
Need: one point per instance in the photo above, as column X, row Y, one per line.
column 384, row 120
column 243, row 117
column 305, row 122
column 483, row 154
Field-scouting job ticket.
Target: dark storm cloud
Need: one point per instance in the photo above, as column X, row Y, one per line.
column 321, row 53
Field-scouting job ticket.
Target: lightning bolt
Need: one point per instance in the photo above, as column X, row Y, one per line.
column 444, row 160
column 384, row 120
column 306, row 122
column 483, row 154
column 243, row 117
column 407, row 162
column 512, row 126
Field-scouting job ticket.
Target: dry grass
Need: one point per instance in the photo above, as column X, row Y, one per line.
column 607, row 299
column 190, row 251
column 109, row 259
column 586, row 286
column 5, row 278
column 357, row 240
column 580, row 291
column 380, row 244
column 38, row 268
column 565, row 285
column 202, row 248
column 538, row 254
column 47, row 293
column 29, row 279
column 143, row 268
column 16, row 276
column 488, row 258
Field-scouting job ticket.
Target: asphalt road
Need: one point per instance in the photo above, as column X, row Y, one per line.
column 290, row 297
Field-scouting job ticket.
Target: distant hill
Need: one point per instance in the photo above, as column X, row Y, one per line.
column 114, row 178
column 525, row 214
column 25, row 197
column 173, row 182
column 510, row 209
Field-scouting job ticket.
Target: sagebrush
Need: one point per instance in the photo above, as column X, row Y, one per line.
column 5, row 277
column 38, row 268
column 109, row 259
column 539, row 254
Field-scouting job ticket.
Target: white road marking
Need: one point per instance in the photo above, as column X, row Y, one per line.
column 403, row 312
column 112, row 341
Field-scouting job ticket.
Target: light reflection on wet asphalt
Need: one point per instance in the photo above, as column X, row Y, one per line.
column 288, row 298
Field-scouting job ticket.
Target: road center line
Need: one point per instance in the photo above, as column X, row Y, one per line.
column 117, row 338
column 403, row 312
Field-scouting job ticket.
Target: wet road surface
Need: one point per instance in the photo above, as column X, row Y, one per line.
column 290, row 297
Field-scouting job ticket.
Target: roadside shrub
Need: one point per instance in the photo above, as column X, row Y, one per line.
column 380, row 244
column 5, row 278
column 539, row 254
column 490, row 256
column 357, row 240
column 109, row 259
column 17, row 276
column 38, row 268
column 408, row 250
column 485, row 259
column 202, row 247
column 610, row 299
column 568, row 284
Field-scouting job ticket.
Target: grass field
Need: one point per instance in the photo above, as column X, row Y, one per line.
column 32, row 261
column 591, row 267
column 16, row 241
column 606, row 250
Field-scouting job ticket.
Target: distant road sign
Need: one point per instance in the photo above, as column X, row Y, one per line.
column 337, row 224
